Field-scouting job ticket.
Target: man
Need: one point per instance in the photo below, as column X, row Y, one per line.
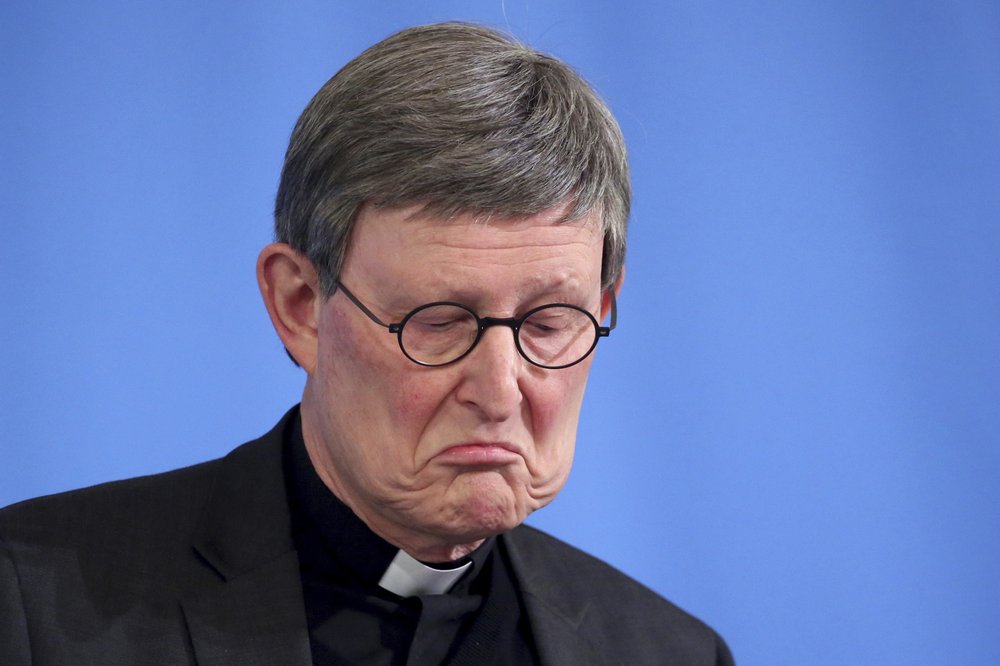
column 450, row 225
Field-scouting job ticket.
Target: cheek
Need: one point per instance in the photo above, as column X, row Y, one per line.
column 555, row 412
column 362, row 389
column 380, row 397
column 416, row 399
column 556, row 402
column 358, row 360
column 408, row 408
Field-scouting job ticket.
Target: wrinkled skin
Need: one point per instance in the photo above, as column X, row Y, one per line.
column 382, row 431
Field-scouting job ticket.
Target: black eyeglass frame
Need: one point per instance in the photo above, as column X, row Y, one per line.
column 482, row 323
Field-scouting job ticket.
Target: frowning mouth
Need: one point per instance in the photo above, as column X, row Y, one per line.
column 480, row 453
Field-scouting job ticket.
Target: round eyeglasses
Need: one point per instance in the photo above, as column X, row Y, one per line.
column 553, row 336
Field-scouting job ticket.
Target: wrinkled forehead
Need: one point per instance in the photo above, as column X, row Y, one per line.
column 421, row 220
column 403, row 240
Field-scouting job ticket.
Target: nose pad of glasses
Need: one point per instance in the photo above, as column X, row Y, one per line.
column 504, row 333
column 487, row 323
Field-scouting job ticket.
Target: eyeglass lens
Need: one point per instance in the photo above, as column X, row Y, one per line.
column 551, row 336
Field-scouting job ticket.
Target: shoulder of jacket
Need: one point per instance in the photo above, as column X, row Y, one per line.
column 620, row 610
column 574, row 566
column 166, row 492
column 114, row 503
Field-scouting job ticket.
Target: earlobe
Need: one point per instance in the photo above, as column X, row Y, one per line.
column 290, row 289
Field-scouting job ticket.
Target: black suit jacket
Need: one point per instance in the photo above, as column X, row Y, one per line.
column 198, row 566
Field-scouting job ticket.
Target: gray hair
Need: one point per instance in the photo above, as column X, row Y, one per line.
column 458, row 118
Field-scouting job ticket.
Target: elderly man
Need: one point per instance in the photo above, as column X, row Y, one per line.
column 450, row 239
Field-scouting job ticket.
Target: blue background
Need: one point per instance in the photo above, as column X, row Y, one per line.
column 794, row 431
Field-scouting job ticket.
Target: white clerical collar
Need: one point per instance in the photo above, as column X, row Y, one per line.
column 408, row 577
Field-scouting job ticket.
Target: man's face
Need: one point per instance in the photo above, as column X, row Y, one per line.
column 448, row 455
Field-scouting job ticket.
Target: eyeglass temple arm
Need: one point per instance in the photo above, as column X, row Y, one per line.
column 371, row 315
column 604, row 331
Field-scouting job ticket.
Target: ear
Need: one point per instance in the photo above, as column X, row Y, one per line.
column 290, row 287
column 606, row 299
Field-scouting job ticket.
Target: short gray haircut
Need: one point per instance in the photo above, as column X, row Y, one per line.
column 458, row 118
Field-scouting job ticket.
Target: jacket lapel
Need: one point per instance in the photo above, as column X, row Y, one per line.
column 556, row 615
column 254, row 618
column 255, row 614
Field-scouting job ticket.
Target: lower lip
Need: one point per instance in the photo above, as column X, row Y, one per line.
column 478, row 454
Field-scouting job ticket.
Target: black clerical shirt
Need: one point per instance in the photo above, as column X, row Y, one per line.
column 352, row 620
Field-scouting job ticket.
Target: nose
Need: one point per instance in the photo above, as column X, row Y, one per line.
column 491, row 375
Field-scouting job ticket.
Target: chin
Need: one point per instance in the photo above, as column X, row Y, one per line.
column 485, row 507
